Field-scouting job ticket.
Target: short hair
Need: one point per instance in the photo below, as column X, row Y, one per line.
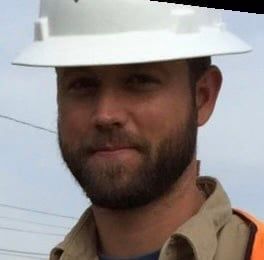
column 197, row 67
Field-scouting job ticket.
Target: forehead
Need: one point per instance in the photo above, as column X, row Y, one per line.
column 164, row 67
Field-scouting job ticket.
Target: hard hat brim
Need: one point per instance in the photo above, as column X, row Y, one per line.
column 128, row 48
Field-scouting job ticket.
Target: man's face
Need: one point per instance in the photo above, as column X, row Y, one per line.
column 127, row 132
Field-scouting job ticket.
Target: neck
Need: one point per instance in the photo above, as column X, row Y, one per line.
column 119, row 229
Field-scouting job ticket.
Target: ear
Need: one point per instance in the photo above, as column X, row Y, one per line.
column 207, row 90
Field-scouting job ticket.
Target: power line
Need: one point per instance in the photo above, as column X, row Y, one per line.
column 33, row 222
column 23, row 256
column 35, row 211
column 28, row 124
column 21, row 252
column 31, row 231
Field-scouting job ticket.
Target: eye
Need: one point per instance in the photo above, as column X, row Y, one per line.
column 84, row 83
column 142, row 79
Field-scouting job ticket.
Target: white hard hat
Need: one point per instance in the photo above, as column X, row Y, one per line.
column 105, row 32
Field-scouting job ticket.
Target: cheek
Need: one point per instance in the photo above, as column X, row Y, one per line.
column 160, row 117
column 73, row 121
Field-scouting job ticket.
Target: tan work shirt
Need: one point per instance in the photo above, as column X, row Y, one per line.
column 214, row 233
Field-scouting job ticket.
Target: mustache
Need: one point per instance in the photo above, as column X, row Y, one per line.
column 116, row 138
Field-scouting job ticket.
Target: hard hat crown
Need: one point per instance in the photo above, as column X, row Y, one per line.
column 99, row 17
column 102, row 32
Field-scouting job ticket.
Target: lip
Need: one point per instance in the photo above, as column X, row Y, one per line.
column 110, row 152
column 111, row 149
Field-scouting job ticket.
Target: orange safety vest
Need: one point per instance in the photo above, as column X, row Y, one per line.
column 255, row 247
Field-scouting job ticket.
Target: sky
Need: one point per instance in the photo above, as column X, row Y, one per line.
column 33, row 175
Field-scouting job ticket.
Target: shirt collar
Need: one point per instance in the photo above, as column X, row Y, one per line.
column 197, row 236
column 81, row 241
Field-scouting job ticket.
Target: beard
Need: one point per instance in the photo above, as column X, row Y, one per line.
column 116, row 185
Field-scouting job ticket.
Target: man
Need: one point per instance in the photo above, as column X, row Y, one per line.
column 131, row 95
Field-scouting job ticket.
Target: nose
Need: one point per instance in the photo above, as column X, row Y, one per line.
column 109, row 111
